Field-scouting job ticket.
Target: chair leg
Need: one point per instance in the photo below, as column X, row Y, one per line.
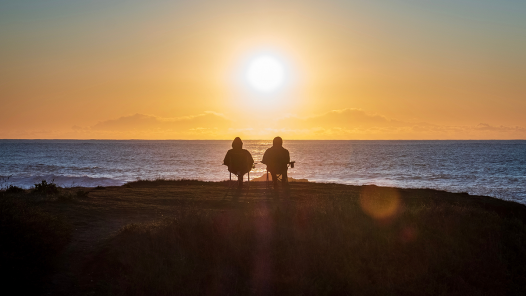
column 239, row 180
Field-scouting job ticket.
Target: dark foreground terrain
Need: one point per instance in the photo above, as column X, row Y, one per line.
column 201, row 238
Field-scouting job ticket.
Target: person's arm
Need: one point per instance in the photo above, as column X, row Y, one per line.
column 264, row 160
column 287, row 156
column 250, row 158
column 226, row 161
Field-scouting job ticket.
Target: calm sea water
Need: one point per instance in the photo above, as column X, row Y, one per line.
column 493, row 168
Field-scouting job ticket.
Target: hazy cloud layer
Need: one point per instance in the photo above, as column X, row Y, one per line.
column 150, row 122
column 345, row 118
column 208, row 125
column 358, row 124
column 345, row 124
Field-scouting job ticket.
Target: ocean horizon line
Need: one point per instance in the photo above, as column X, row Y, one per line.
column 444, row 140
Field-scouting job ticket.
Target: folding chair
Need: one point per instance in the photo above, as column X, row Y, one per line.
column 279, row 177
column 236, row 174
column 238, row 163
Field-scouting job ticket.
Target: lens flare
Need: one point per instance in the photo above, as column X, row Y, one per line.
column 379, row 202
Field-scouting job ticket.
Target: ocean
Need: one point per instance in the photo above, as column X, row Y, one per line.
column 492, row 168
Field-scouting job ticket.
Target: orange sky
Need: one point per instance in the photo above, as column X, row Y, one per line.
column 399, row 69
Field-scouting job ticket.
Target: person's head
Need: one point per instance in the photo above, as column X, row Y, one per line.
column 278, row 142
column 237, row 143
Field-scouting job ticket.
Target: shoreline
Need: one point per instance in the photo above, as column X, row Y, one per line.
column 109, row 182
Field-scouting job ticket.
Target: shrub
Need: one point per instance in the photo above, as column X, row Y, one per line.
column 46, row 188
column 14, row 190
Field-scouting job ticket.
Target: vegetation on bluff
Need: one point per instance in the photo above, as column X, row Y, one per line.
column 375, row 242
column 166, row 237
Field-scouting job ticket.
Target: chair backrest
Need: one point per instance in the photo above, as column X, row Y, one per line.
column 276, row 159
column 238, row 162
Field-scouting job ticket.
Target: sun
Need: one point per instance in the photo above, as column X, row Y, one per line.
column 265, row 73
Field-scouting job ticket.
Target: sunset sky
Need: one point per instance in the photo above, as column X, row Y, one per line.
column 392, row 69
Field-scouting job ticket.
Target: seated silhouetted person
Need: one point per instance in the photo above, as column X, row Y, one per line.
column 238, row 160
column 277, row 159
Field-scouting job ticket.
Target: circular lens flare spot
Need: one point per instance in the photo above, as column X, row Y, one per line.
column 379, row 202
column 265, row 74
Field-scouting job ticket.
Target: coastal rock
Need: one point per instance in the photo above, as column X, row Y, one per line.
column 264, row 178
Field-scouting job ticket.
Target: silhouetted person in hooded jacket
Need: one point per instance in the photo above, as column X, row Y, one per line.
column 277, row 159
column 238, row 160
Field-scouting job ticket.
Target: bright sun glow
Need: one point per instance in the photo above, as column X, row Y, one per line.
column 265, row 73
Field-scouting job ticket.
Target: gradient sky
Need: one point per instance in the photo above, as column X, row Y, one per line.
column 392, row 69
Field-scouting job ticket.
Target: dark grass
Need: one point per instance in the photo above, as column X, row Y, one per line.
column 187, row 237
column 30, row 240
column 165, row 181
column 321, row 239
